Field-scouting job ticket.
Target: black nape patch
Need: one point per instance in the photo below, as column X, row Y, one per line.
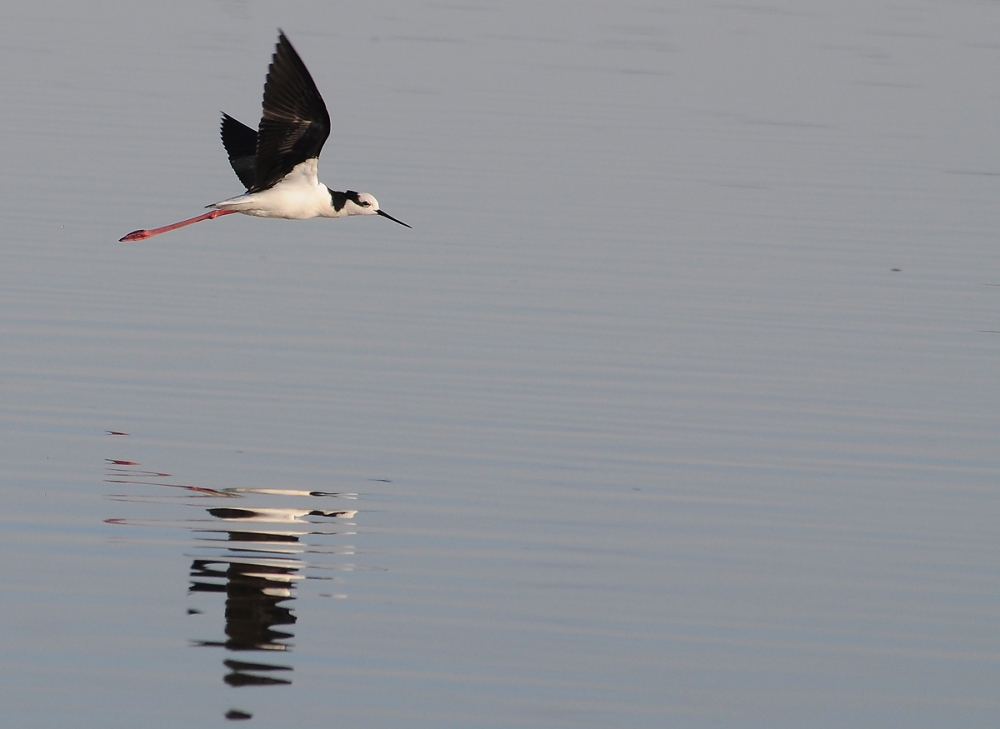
column 339, row 199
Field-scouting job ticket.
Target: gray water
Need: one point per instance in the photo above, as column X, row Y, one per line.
column 677, row 407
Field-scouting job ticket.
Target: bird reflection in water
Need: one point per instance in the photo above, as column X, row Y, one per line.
column 254, row 557
column 255, row 589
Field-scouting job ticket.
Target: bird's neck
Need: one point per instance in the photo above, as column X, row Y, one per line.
column 344, row 203
column 339, row 201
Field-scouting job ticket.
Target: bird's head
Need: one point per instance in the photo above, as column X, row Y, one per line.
column 363, row 203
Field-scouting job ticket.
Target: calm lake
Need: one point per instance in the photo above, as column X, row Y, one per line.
column 678, row 406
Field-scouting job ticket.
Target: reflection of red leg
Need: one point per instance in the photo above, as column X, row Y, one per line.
column 144, row 234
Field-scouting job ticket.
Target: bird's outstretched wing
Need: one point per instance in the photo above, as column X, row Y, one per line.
column 240, row 142
column 295, row 123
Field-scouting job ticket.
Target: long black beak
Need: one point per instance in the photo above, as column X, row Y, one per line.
column 386, row 215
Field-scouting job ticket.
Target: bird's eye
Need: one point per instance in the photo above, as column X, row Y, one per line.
column 365, row 203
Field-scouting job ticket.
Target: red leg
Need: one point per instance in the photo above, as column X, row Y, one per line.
column 144, row 234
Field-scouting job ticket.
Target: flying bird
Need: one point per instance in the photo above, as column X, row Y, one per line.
column 278, row 162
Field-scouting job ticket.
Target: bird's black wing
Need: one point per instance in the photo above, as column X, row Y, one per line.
column 240, row 142
column 295, row 123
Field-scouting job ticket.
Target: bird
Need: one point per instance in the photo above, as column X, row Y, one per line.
column 278, row 163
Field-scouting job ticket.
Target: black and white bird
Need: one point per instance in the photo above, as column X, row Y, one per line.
column 278, row 163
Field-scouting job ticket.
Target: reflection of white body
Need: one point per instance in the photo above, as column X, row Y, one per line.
column 265, row 514
column 287, row 492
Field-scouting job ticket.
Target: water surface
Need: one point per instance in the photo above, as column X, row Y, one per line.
column 677, row 407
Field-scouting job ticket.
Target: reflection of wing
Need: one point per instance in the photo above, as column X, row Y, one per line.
column 255, row 594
